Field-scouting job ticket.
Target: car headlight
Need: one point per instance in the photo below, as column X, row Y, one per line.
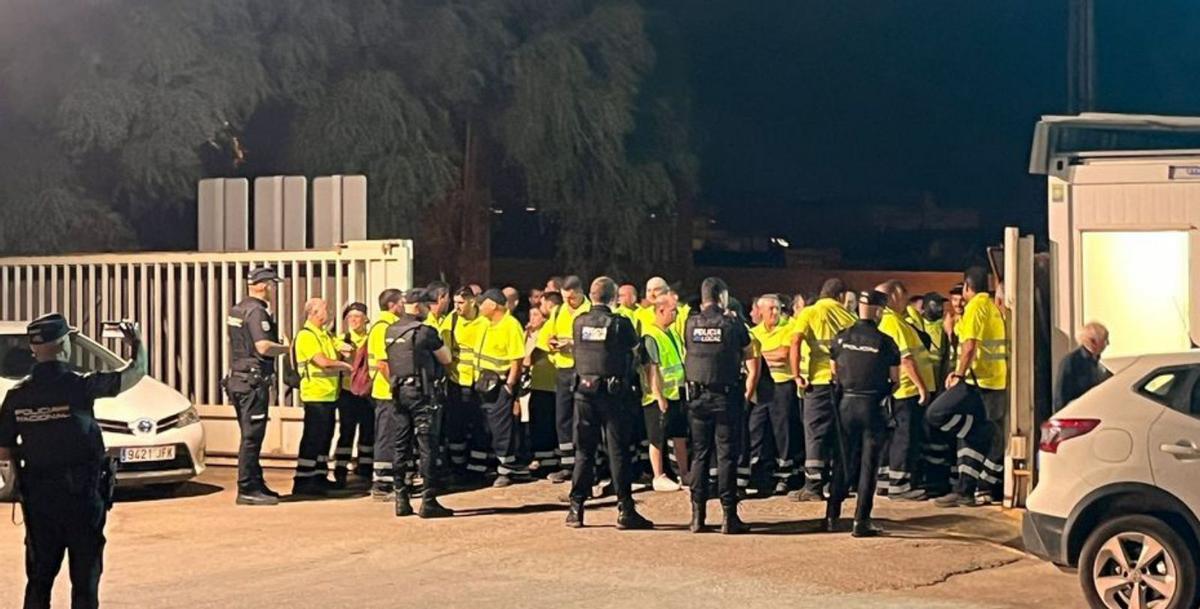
column 188, row 417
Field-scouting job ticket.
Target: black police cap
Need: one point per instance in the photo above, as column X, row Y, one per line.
column 263, row 274
column 47, row 329
column 419, row 296
column 493, row 295
column 873, row 298
column 354, row 306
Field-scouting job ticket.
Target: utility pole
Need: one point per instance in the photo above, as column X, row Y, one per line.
column 1081, row 56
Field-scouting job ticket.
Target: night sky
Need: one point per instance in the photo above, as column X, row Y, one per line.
column 801, row 102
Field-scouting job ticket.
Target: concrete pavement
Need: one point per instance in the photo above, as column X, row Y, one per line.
column 508, row 548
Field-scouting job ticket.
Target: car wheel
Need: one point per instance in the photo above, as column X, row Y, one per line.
column 1137, row 562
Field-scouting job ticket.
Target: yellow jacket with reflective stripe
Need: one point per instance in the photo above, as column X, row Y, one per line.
column 820, row 323
column 316, row 385
column 670, row 363
column 500, row 344
column 381, row 387
column 909, row 342
column 982, row 322
column 776, row 342
column 561, row 325
column 462, row 342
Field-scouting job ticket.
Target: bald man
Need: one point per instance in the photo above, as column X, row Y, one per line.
column 1081, row 369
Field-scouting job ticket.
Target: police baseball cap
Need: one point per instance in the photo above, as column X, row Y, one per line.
column 47, row 329
column 419, row 296
column 873, row 298
column 263, row 274
column 956, row 290
column 493, row 295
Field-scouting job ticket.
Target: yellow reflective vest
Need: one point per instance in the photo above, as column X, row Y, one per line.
column 316, row 385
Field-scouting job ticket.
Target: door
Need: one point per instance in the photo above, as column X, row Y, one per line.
column 1175, row 448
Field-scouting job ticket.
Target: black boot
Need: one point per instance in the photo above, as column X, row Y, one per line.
column 833, row 514
column 699, row 511
column 403, row 504
column 340, row 477
column 430, row 508
column 864, row 528
column 575, row 515
column 733, row 524
column 628, row 519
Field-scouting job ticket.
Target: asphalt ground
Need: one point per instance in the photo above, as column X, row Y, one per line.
column 509, row 548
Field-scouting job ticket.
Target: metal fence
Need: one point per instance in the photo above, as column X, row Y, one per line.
column 181, row 299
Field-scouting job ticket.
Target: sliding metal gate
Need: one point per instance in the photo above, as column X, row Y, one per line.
column 181, row 299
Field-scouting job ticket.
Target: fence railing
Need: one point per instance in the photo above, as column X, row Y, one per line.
column 181, row 300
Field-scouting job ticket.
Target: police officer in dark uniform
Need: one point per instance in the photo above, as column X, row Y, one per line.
column 866, row 369
column 254, row 344
column 416, row 358
column 605, row 346
column 64, row 476
column 718, row 343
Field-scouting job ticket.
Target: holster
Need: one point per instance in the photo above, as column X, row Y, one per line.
column 427, row 418
column 108, row 481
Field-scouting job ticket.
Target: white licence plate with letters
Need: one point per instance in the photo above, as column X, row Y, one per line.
column 147, row 454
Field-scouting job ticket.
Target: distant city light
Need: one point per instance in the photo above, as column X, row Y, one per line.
column 781, row 242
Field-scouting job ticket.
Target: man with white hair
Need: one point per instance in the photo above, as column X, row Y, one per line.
column 1081, row 369
column 320, row 370
column 656, row 287
column 777, row 416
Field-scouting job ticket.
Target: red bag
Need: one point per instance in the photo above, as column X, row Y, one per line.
column 361, row 379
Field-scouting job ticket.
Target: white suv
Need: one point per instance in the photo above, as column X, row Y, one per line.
column 1119, row 486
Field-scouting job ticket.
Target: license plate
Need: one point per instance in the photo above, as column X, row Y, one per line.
column 145, row 454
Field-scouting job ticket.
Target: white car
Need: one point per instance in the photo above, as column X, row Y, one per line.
column 1118, row 493
column 152, row 431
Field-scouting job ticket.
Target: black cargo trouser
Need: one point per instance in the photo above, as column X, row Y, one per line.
column 716, row 419
column 383, row 476
column 466, row 430
column 778, row 418
column 564, row 417
column 251, row 406
column 904, row 447
column 960, row 413
column 862, row 429
column 995, row 404
column 543, row 436
column 62, row 520
column 937, row 456
column 607, row 415
column 355, row 415
column 505, row 432
column 818, row 435
column 312, row 458
column 417, row 443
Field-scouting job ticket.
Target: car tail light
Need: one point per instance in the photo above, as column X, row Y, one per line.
column 1057, row 431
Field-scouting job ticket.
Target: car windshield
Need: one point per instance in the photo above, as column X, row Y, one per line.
column 86, row 356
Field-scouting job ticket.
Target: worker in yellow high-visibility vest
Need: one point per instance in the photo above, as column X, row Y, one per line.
column 391, row 304
column 777, row 416
column 900, row 460
column 463, row 420
column 662, row 392
column 982, row 362
column 320, row 382
column 817, row 325
column 556, row 339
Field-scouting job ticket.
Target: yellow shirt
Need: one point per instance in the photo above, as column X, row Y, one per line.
column 982, row 322
column 462, row 342
column 643, row 318
column 820, row 323
column 434, row 321
column 542, row 375
column 775, row 345
column 910, row 345
column 630, row 312
column 316, row 385
column 681, row 321
column 500, row 344
column 358, row 340
column 561, row 325
column 381, row 387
